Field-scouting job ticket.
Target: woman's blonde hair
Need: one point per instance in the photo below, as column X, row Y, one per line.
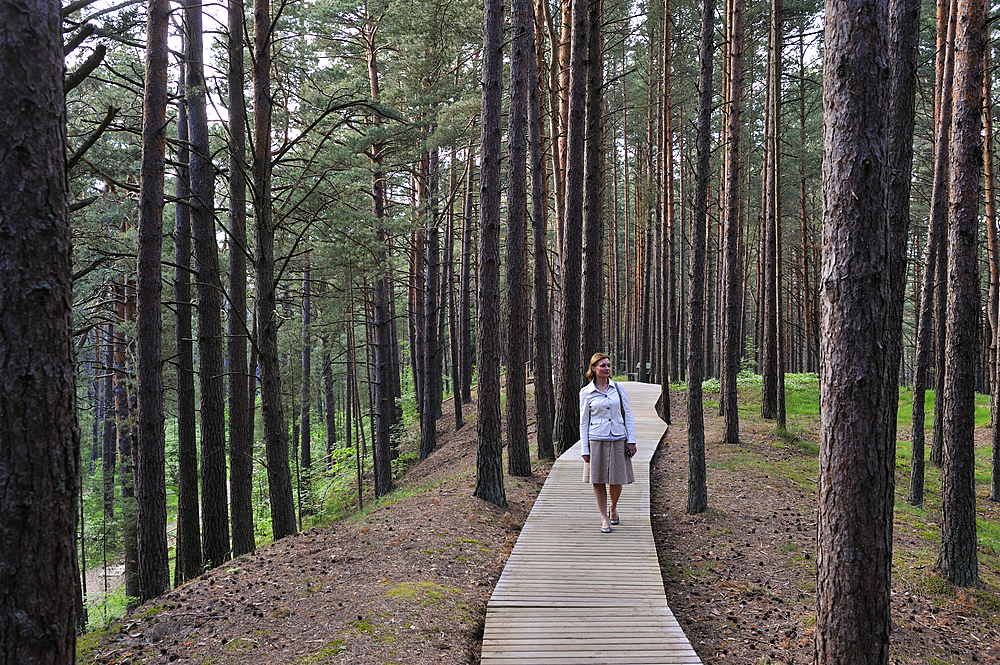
column 594, row 359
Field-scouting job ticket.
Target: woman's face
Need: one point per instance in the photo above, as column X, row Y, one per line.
column 603, row 369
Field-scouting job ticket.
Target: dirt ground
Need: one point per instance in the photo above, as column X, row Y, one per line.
column 408, row 581
column 741, row 577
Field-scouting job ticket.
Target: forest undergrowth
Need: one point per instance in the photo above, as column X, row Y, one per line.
column 741, row 577
column 407, row 579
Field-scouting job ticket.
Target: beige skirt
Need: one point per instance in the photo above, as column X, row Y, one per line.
column 608, row 464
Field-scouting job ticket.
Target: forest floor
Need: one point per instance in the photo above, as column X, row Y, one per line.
column 407, row 581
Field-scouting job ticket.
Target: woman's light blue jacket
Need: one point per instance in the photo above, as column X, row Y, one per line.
column 601, row 415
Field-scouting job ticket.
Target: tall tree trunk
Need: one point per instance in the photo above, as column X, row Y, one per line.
column 396, row 360
column 697, row 501
column 935, row 250
column 384, row 389
column 711, row 288
column 682, row 240
column 989, row 185
column 522, row 60
column 809, row 321
column 777, row 27
column 934, row 244
column 646, row 313
column 869, row 110
column 542, row 342
column 349, row 397
column 39, row 439
column 959, row 557
column 279, row 476
column 418, row 285
column 559, row 46
column 431, row 289
column 569, row 359
column 465, row 292
column 993, row 242
column 672, row 366
column 946, row 25
column 240, row 413
column 214, row 490
column 188, row 559
column 150, row 486
column 732, row 281
column 305, row 429
column 453, row 315
column 489, row 457
column 768, row 344
column 330, row 402
column 252, row 369
column 126, row 438
column 592, row 308
column 109, row 438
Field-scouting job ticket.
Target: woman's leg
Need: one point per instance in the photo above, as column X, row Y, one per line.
column 616, row 491
column 601, row 494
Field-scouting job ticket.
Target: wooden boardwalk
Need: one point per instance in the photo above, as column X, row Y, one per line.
column 571, row 594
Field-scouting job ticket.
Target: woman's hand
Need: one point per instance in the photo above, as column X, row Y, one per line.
column 586, row 458
column 631, row 448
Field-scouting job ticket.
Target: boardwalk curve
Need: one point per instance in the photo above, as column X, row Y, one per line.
column 571, row 594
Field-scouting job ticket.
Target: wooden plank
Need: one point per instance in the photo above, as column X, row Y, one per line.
column 571, row 594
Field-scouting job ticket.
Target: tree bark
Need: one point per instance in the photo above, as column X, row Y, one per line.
column 465, row 287
column 489, row 457
column 188, row 559
column 859, row 335
column 109, row 458
column 124, row 410
column 542, row 341
column 150, row 485
column 992, row 241
column 429, row 321
column 569, row 359
column 989, row 184
column 670, row 343
column 240, row 414
column 934, row 250
column 778, row 28
column 697, row 501
column 305, row 429
column 959, row 557
column 214, row 488
column 39, row 440
column 384, row 389
column 279, row 476
column 810, row 316
column 522, row 60
column 769, row 343
column 453, row 315
column 592, row 307
column 947, row 12
column 732, row 282
column 330, row 402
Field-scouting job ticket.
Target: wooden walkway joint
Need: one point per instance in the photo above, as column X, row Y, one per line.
column 571, row 594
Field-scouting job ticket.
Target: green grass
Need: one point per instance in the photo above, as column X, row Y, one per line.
column 918, row 526
column 364, row 627
column 88, row 643
column 424, row 592
column 156, row 609
column 113, row 606
column 324, row 653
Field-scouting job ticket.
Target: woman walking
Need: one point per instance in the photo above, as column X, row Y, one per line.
column 607, row 435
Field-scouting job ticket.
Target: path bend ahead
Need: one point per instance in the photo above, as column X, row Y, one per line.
column 571, row 594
